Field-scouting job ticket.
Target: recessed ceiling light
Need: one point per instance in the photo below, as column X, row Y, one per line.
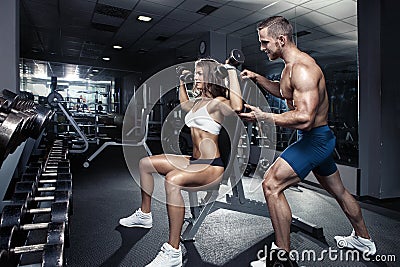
column 106, row 58
column 144, row 18
column 117, row 47
column 95, row 70
column 206, row 10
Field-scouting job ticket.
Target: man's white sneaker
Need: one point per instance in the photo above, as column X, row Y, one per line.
column 167, row 257
column 137, row 219
column 364, row 245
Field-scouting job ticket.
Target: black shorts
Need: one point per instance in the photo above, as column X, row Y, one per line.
column 212, row 162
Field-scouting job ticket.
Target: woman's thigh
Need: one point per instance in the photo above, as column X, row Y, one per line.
column 196, row 176
column 164, row 163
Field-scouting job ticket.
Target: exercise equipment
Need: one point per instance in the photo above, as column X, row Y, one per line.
column 31, row 186
column 187, row 77
column 10, row 132
column 25, row 198
column 33, row 177
column 54, row 98
column 9, row 237
column 14, row 215
column 53, row 249
column 20, row 118
column 236, row 57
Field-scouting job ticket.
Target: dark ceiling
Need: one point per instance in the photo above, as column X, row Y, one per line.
column 74, row 35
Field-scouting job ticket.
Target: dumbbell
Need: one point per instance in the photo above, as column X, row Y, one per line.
column 10, row 129
column 221, row 72
column 4, row 104
column 38, row 179
column 55, row 157
column 236, row 57
column 31, row 186
column 56, row 173
column 16, row 235
column 25, row 198
column 16, row 102
column 53, row 249
column 16, row 214
column 50, row 165
column 187, row 77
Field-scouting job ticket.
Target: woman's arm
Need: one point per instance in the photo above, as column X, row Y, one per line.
column 235, row 100
column 184, row 97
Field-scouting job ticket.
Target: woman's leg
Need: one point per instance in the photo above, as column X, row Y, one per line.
column 156, row 164
column 195, row 175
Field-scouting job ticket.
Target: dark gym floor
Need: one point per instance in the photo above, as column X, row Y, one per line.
column 106, row 191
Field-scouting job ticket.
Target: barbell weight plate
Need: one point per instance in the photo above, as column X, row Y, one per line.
column 54, row 98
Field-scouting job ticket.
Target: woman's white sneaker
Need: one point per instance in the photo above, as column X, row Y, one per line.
column 167, row 257
column 137, row 219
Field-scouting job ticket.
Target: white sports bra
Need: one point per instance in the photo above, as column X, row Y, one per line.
column 202, row 120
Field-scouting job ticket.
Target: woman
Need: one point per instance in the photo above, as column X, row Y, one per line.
column 204, row 168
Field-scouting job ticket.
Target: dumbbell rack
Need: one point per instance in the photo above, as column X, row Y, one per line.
column 22, row 126
column 37, row 231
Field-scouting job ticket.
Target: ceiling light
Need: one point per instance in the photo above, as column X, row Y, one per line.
column 106, row 58
column 206, row 10
column 117, row 47
column 95, row 70
column 301, row 33
column 144, row 18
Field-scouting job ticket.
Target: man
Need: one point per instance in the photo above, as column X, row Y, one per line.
column 302, row 86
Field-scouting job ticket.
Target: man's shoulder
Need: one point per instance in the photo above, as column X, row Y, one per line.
column 305, row 68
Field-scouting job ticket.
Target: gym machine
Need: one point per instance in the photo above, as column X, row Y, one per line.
column 56, row 101
column 141, row 130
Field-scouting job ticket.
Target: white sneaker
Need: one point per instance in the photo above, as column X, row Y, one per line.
column 259, row 263
column 138, row 219
column 167, row 257
column 364, row 245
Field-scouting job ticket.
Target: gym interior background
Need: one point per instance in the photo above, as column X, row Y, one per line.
column 72, row 66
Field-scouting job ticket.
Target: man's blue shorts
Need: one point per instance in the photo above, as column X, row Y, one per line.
column 312, row 152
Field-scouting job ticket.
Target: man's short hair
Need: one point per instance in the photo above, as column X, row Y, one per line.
column 277, row 25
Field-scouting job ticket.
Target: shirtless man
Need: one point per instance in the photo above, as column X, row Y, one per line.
column 303, row 87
